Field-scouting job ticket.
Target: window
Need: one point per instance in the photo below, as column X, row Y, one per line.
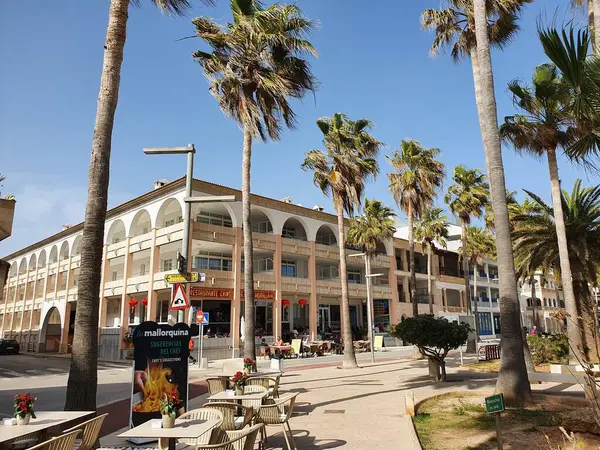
column 168, row 223
column 325, row 238
column 143, row 269
column 167, row 264
column 263, row 227
column 113, row 275
column 211, row 218
column 288, row 268
column 289, row 232
column 354, row 276
column 485, row 323
column 213, row 261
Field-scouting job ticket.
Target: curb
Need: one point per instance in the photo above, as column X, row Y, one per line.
column 67, row 356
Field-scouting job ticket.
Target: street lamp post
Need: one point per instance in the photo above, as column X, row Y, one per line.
column 368, row 276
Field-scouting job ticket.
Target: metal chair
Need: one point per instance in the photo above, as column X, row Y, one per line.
column 216, row 385
column 231, row 420
column 90, row 430
column 276, row 414
column 236, row 440
column 63, row 442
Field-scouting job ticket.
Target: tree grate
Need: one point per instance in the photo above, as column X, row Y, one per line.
column 334, row 411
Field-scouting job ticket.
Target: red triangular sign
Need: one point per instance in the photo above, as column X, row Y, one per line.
column 178, row 298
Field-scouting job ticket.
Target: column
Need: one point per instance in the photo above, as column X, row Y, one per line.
column 64, row 335
column 124, row 303
column 313, row 302
column 393, row 282
column 35, row 283
column 23, row 307
column 12, row 317
column 154, row 261
column 187, row 318
column 406, row 292
column 405, row 260
column 103, row 277
column 277, row 310
column 236, row 256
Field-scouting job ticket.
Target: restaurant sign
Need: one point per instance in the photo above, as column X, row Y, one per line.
column 198, row 292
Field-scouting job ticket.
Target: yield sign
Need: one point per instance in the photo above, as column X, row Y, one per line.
column 178, row 297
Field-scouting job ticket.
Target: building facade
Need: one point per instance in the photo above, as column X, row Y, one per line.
column 296, row 268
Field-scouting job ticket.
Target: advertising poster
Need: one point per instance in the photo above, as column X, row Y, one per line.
column 160, row 367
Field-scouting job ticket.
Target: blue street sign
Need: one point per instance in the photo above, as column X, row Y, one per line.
column 205, row 321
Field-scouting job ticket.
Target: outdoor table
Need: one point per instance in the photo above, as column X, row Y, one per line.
column 280, row 348
column 253, row 399
column 43, row 421
column 183, row 429
column 264, row 373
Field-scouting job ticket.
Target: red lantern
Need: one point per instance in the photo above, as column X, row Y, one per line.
column 145, row 301
column 302, row 302
column 133, row 302
column 285, row 302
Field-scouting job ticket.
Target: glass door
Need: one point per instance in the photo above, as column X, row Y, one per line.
column 324, row 318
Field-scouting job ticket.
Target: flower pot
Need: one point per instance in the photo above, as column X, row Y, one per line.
column 239, row 390
column 246, row 371
column 168, row 421
column 23, row 420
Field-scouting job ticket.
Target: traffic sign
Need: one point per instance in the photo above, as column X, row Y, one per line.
column 199, row 316
column 202, row 319
column 494, row 404
column 189, row 277
column 178, row 298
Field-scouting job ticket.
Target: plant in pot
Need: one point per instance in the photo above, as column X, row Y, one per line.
column 239, row 382
column 169, row 405
column 23, row 404
column 249, row 366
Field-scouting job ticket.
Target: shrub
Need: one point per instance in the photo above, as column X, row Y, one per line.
column 549, row 349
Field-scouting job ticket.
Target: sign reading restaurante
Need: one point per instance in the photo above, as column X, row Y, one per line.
column 206, row 292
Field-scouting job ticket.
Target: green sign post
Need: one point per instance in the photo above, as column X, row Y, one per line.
column 495, row 405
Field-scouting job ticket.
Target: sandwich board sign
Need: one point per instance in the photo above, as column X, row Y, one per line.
column 178, row 298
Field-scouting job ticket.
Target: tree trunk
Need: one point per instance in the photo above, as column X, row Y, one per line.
column 465, row 265
column 586, row 307
column 534, row 301
column 249, row 344
column 475, row 304
column 594, row 20
column 477, row 84
column 512, row 378
column 349, row 361
column 429, row 279
column 412, row 283
column 443, row 369
column 574, row 324
column 83, row 374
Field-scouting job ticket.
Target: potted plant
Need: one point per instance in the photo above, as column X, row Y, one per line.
column 169, row 405
column 249, row 366
column 23, row 404
column 239, row 381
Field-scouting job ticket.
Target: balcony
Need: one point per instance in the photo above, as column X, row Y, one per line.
column 213, row 233
column 115, row 250
column 218, row 278
column 140, row 283
column 300, row 285
column 113, row 287
column 141, row 242
column 168, row 234
column 295, row 246
column 327, row 252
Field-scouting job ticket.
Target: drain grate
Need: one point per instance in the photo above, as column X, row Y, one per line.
column 334, row 411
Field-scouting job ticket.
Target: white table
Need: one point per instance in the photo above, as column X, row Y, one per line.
column 231, row 395
column 183, row 429
column 43, row 421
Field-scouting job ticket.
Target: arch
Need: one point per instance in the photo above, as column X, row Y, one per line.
column 116, row 232
column 76, row 247
column 170, row 213
column 326, row 235
column 53, row 255
column 51, row 330
column 41, row 260
column 219, row 214
column 141, row 223
column 293, row 228
column 23, row 266
column 260, row 221
column 64, row 251
column 13, row 269
column 32, row 262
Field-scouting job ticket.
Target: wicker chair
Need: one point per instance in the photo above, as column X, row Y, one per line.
column 65, row 441
column 216, row 385
column 89, row 432
column 236, row 440
column 272, row 384
column 202, row 414
column 278, row 413
column 253, row 403
column 22, row 442
column 230, row 411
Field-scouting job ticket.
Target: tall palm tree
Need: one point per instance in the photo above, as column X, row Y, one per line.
column 414, row 183
column 83, row 377
column 511, row 199
column 479, row 244
column 341, row 171
column 544, row 127
column 254, row 68
column 431, row 228
column 369, row 232
column 467, row 198
column 512, row 377
column 536, row 241
column 593, row 17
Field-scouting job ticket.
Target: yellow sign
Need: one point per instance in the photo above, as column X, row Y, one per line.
column 378, row 342
column 190, row 277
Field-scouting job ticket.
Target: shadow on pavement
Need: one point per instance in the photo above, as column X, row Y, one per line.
column 303, row 440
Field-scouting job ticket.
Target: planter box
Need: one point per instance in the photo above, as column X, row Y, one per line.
column 7, row 214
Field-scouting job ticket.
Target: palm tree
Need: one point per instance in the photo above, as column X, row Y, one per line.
column 341, row 171
column 512, row 377
column 8, row 196
column 545, row 126
column 511, row 199
column 369, row 232
column 253, row 70
column 467, row 198
column 417, row 177
column 431, row 228
column 536, row 241
column 83, row 377
column 592, row 8
column 478, row 244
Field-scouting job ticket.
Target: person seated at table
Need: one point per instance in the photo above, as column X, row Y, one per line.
column 279, row 341
column 263, row 343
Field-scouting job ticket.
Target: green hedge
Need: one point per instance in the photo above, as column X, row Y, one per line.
column 549, row 349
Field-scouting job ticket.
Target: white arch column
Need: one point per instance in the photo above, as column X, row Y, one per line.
column 14, row 307
column 128, row 263
column 313, row 304
column 64, row 337
column 152, row 295
column 277, row 310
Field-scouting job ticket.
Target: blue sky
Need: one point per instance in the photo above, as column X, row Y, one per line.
column 373, row 63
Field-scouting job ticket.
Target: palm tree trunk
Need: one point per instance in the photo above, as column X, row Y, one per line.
column 465, row 265
column 477, row 83
column 586, row 307
column 429, row 279
column 83, row 373
column 534, row 301
column 475, row 303
column 594, row 23
column 249, row 344
column 512, row 377
column 574, row 322
column 412, row 283
column 349, row 361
